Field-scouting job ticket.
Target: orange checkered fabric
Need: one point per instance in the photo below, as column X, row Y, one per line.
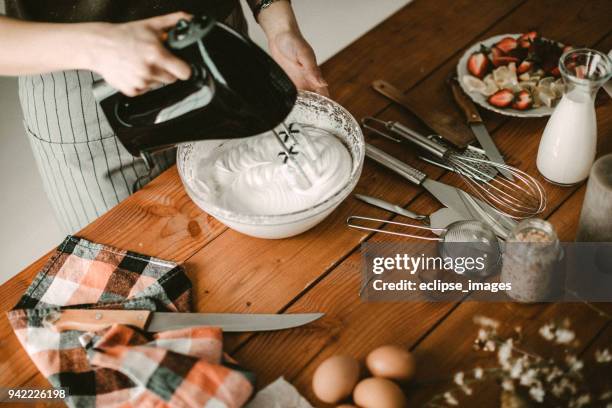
column 124, row 366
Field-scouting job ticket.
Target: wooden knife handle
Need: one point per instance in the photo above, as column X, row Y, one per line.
column 96, row 319
column 464, row 102
column 446, row 124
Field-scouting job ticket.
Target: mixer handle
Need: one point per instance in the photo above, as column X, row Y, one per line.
column 179, row 37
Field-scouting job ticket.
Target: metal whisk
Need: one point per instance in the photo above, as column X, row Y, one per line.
column 523, row 197
column 294, row 140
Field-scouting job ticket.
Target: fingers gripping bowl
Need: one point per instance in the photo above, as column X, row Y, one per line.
column 311, row 110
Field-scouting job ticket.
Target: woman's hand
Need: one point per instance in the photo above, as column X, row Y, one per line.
column 289, row 48
column 132, row 58
column 291, row 51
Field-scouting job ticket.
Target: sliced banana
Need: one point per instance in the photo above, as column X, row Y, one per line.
column 505, row 78
column 528, row 85
column 491, row 85
column 558, row 87
column 546, row 95
column 473, row 84
column 546, row 82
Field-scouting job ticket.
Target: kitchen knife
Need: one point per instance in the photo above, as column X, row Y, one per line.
column 447, row 124
column 458, row 200
column 96, row 319
column 437, row 220
column 475, row 123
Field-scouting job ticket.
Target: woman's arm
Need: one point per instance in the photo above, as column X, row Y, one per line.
column 130, row 56
column 289, row 48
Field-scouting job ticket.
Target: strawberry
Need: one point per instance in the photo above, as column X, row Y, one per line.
column 581, row 71
column 507, row 44
column 524, row 67
column 502, row 98
column 523, row 100
column 503, row 60
column 499, row 58
column 555, row 72
column 526, row 39
column 496, row 53
column 519, row 53
column 478, row 64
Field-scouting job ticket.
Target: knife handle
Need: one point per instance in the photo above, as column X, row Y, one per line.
column 464, row 102
column 96, row 319
column 446, row 124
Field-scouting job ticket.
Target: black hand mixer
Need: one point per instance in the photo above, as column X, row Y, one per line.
column 235, row 90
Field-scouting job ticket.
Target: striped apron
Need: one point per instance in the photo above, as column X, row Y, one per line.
column 84, row 168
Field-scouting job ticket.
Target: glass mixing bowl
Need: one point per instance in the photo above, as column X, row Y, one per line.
column 310, row 109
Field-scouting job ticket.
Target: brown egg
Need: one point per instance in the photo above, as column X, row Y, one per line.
column 379, row 393
column 392, row 362
column 335, row 378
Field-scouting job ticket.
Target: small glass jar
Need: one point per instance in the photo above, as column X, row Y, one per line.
column 531, row 262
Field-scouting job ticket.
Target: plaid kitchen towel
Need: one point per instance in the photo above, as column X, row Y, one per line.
column 121, row 365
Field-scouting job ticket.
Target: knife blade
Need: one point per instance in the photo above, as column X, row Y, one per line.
column 465, row 205
column 447, row 125
column 474, row 121
column 97, row 319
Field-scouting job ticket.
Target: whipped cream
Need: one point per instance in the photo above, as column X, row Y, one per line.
column 252, row 176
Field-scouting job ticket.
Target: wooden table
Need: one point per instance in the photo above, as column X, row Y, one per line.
column 416, row 48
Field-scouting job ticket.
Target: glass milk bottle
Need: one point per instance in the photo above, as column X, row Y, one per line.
column 567, row 147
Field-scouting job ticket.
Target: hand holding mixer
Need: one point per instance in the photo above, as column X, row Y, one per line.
column 235, row 90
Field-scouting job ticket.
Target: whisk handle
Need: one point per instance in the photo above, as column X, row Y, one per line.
column 408, row 172
column 418, row 139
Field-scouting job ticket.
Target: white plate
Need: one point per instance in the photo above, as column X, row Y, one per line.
column 480, row 99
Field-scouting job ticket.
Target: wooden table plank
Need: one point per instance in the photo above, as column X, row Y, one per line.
column 307, row 256
column 268, row 276
column 598, row 374
column 436, row 375
column 520, row 139
column 437, row 368
column 531, row 317
column 406, row 47
column 260, row 277
column 160, row 220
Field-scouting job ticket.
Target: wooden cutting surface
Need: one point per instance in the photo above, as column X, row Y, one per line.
column 415, row 49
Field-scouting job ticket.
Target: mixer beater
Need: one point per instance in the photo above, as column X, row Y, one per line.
column 523, row 197
column 295, row 141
